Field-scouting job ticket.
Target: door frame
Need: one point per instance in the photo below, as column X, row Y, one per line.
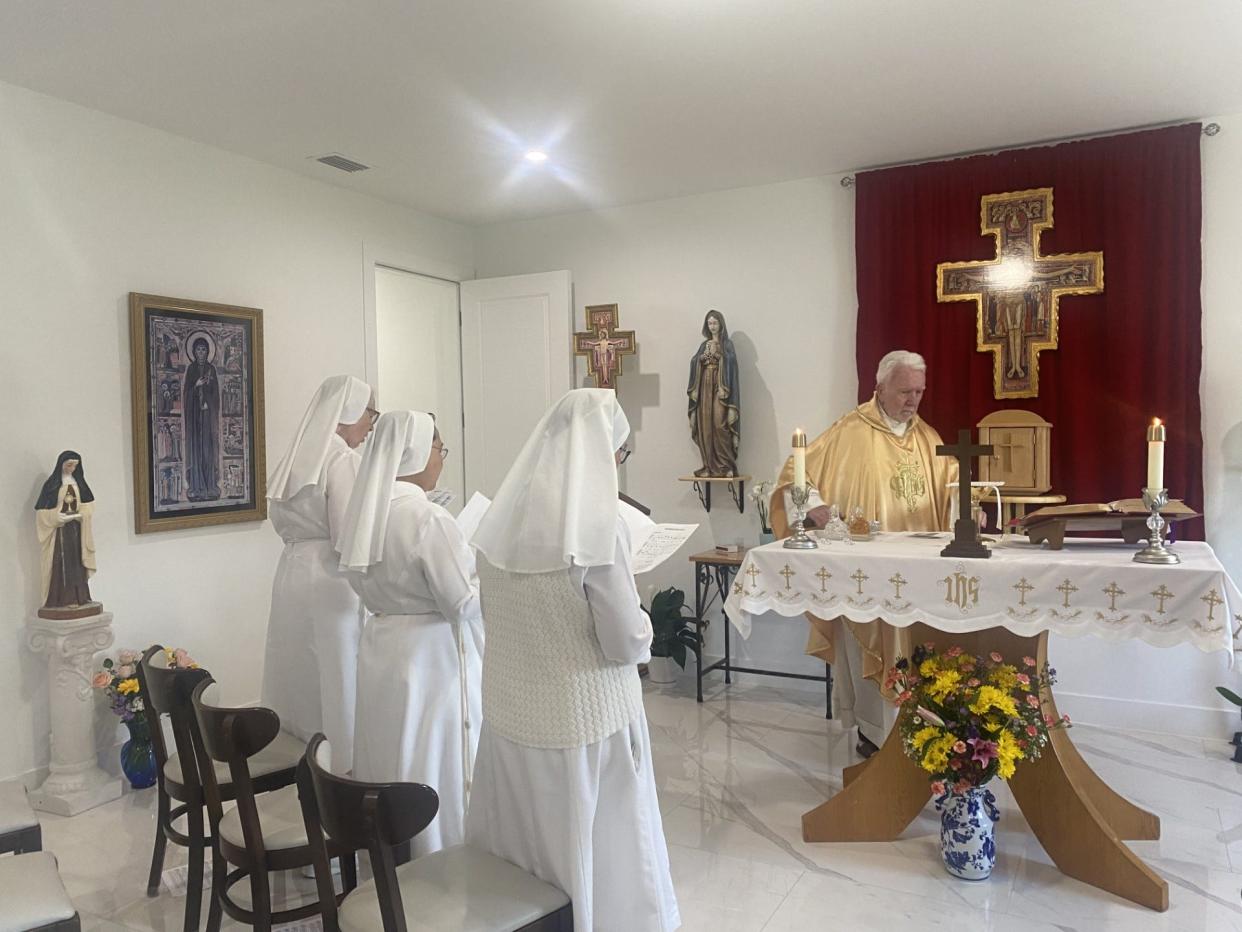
column 402, row 260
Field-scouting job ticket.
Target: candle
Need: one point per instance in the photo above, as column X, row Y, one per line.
column 1155, row 455
column 799, row 458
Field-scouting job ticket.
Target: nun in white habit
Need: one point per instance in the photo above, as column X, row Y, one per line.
column 421, row 658
column 316, row 618
column 563, row 784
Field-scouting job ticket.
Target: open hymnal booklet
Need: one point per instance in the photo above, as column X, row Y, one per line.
column 650, row 543
column 472, row 514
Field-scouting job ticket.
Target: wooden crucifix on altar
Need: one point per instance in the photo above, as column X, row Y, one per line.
column 965, row 542
column 604, row 344
column 1017, row 294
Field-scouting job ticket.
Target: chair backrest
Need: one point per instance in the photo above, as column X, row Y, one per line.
column 357, row 815
column 167, row 691
column 232, row 736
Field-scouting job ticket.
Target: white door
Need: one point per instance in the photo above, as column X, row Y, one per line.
column 516, row 351
column 418, row 358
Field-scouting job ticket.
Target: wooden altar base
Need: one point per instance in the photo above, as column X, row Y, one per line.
column 1077, row 817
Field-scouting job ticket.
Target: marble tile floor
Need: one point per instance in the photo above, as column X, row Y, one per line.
column 735, row 775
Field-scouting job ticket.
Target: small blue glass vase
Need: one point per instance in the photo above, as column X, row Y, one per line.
column 968, row 832
column 138, row 756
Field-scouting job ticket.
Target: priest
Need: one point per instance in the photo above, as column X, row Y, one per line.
column 880, row 457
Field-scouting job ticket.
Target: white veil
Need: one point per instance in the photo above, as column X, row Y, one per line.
column 400, row 445
column 341, row 399
column 558, row 504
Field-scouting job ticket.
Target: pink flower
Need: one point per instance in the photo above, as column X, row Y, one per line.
column 955, row 764
column 985, row 751
column 1049, row 720
column 959, row 747
column 1033, row 701
column 961, row 786
column 181, row 659
column 928, row 645
column 996, row 657
column 125, row 671
column 937, row 787
column 1032, row 730
column 1024, row 679
column 972, row 682
column 127, row 656
column 102, row 679
column 968, row 668
column 1065, row 720
column 905, row 697
column 954, row 651
column 1029, row 661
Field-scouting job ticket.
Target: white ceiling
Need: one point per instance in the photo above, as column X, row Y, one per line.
column 634, row 100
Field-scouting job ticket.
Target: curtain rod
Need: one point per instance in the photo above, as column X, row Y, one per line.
column 1209, row 129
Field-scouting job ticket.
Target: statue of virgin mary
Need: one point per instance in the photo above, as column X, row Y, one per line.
column 63, row 515
column 714, row 399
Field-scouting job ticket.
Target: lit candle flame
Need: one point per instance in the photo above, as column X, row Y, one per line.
column 1155, row 422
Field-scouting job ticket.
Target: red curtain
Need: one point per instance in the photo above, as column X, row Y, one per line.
column 1124, row 357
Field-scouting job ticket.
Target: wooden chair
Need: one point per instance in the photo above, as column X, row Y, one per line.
column 32, row 897
column 167, row 693
column 265, row 831
column 19, row 826
column 458, row 889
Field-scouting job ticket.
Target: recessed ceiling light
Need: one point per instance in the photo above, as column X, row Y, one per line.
column 534, row 155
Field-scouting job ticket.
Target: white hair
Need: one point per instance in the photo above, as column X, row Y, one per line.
column 895, row 360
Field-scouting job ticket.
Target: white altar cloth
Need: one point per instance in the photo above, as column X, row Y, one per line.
column 1090, row 587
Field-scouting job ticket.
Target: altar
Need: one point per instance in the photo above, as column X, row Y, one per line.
column 1007, row 603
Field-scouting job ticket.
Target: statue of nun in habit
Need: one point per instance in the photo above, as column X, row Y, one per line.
column 63, row 515
column 714, row 399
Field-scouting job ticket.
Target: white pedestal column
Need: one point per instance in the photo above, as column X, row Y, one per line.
column 76, row 782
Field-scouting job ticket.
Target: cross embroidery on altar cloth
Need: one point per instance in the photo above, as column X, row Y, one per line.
column 788, row 574
column 1112, row 591
column 1017, row 294
column 1066, row 589
column 859, row 577
column 898, row 581
column 1162, row 594
column 823, row 576
column 1212, row 600
column 1023, row 588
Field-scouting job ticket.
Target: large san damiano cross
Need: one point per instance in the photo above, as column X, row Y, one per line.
column 1017, row 294
column 604, row 344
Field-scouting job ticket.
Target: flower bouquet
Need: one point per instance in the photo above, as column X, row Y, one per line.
column 970, row 719
column 118, row 680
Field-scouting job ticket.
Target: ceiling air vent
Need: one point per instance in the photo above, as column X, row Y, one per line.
column 344, row 164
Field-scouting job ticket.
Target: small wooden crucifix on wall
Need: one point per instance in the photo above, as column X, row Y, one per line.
column 604, row 344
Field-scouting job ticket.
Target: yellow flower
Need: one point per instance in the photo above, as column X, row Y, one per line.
column 125, row 687
column 992, row 698
column 936, row 757
column 1004, row 677
column 944, row 683
column 1007, row 754
column 922, row 736
column 928, row 667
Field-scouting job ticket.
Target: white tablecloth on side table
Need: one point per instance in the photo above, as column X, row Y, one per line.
column 1090, row 587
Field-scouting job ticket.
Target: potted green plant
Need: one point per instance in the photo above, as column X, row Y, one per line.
column 673, row 635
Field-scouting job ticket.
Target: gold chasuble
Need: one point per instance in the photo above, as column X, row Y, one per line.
column 859, row 462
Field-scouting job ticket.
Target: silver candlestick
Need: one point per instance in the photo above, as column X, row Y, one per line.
column 1156, row 551
column 800, row 540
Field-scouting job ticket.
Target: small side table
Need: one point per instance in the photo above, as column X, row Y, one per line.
column 713, row 576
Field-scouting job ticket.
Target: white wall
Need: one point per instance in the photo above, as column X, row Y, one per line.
column 778, row 261
column 95, row 207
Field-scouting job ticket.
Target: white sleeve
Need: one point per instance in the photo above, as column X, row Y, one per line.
column 342, row 472
column 621, row 625
column 448, row 565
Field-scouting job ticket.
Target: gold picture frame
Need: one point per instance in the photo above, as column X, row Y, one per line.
column 196, row 384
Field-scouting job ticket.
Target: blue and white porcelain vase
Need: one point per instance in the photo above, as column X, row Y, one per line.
column 968, row 832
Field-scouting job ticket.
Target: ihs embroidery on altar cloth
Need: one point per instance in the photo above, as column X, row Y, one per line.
column 909, row 483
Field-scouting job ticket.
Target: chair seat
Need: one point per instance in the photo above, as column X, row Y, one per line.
column 282, row 754
column 460, row 889
column 280, row 815
column 15, row 811
column 31, row 892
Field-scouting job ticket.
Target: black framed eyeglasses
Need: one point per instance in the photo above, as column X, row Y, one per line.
column 625, row 455
column 373, row 414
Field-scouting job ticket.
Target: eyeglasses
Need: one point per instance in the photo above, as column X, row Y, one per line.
column 443, row 450
column 625, row 455
column 374, row 415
